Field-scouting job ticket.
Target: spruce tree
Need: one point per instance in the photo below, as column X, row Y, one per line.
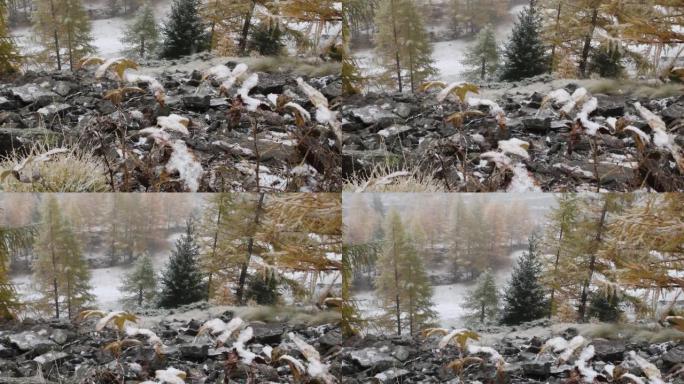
column 524, row 299
column 182, row 281
column 525, row 54
column 267, row 39
column 484, row 299
column 402, row 43
column 140, row 284
column 402, row 284
column 142, row 35
column 9, row 56
column 263, row 288
column 184, row 31
column 483, row 55
column 60, row 270
column 607, row 61
column 605, row 307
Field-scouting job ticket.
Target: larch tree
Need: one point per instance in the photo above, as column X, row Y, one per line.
column 184, row 31
column 483, row 56
column 483, row 300
column 252, row 227
column 141, row 36
column 525, row 54
column 524, row 298
column 402, row 284
column 140, row 284
column 63, row 25
column 61, row 272
column 9, row 54
column 10, row 238
column 562, row 221
column 402, row 43
column 182, row 280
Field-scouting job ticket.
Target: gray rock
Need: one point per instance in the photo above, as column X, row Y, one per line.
column 332, row 90
column 53, row 109
column 669, row 114
column 609, row 350
column 371, row 114
column 6, row 352
column 536, row 125
column 674, row 356
column 21, row 138
column 11, row 120
column 218, row 102
column 60, row 336
column 64, row 88
column 392, row 375
column 194, row 352
column 372, row 357
column 50, row 357
column 105, row 107
column 31, row 341
column 32, row 93
column 401, row 353
column 395, row 131
column 538, row 369
column 268, row 333
column 196, row 102
column 6, row 104
column 403, row 110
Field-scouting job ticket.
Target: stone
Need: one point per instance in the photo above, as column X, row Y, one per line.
column 392, row 375
column 196, row 102
column 674, row 356
column 105, row 107
column 53, row 109
column 536, row 124
column 609, row 350
column 372, row 357
column 7, row 104
column 64, row 88
column 268, row 333
column 194, row 352
column 60, row 336
column 537, row 369
column 403, row 110
column 32, row 93
column 6, row 352
column 31, row 341
column 395, row 131
column 270, row 83
column 669, row 114
column 401, row 353
column 370, row 114
column 332, row 90
column 11, row 120
column 50, row 358
column 21, row 138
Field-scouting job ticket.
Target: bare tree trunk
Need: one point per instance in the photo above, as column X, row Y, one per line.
column 250, row 247
column 555, row 271
column 242, row 47
column 592, row 264
column 54, row 34
column 213, row 247
column 587, row 44
column 53, row 257
column 396, row 281
column 555, row 45
column 396, row 47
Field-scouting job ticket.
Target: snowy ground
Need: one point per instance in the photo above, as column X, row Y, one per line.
column 105, row 281
column 448, row 300
column 448, row 55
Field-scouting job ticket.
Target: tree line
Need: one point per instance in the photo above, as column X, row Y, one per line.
column 597, row 257
column 243, row 248
column 567, row 38
column 63, row 30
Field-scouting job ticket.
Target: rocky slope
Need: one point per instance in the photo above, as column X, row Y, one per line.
column 408, row 131
column 524, row 358
column 60, row 351
column 222, row 141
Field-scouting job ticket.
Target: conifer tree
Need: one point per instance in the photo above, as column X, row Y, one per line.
column 9, row 56
column 525, row 54
column 524, row 299
column 605, row 306
column 182, row 281
column 184, row 31
column 60, row 271
column 484, row 299
column 402, row 284
column 402, row 43
column 140, row 283
column 142, row 35
column 470, row 16
column 484, row 54
column 607, row 61
column 266, row 39
column 263, row 288
column 10, row 237
column 63, row 25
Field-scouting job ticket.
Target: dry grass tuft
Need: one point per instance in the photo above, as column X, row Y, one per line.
column 73, row 170
column 386, row 178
